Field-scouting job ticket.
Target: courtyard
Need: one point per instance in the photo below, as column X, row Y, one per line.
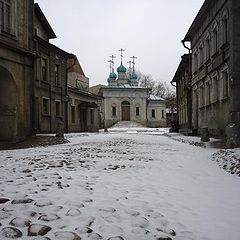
column 123, row 184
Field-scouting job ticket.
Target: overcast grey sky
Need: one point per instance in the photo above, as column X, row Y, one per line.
column 151, row 30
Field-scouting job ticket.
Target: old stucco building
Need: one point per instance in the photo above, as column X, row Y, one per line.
column 16, row 68
column 182, row 82
column 34, row 92
column 50, row 83
column 83, row 109
column 214, row 38
column 124, row 100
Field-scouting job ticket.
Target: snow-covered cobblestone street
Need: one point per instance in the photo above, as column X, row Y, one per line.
column 117, row 185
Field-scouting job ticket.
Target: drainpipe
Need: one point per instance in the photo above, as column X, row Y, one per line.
column 189, row 52
column 189, row 108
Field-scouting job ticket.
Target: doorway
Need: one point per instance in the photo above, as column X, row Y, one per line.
column 125, row 111
column 83, row 119
column 8, row 106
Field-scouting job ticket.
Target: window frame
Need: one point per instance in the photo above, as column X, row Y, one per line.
column 47, row 113
column 73, row 119
column 58, row 112
column 153, row 113
column 57, row 76
column 44, row 74
column 215, row 84
column 137, row 111
column 114, row 111
column 225, row 90
column 215, row 38
column 163, row 115
column 225, row 27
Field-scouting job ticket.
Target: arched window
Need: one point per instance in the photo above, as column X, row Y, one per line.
column 215, row 84
column 208, row 46
column 201, row 55
column 114, row 110
column 224, row 26
column 215, row 38
column 225, row 81
column 195, row 60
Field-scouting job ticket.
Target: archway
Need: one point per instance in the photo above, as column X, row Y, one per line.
column 125, row 111
column 8, row 106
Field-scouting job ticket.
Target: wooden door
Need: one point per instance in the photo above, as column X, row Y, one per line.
column 125, row 111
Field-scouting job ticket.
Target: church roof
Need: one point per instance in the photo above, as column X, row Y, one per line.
column 121, row 68
column 112, row 75
column 126, row 86
column 133, row 76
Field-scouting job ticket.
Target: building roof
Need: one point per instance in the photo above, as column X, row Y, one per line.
column 83, row 92
column 125, row 87
column 155, row 98
column 73, row 65
column 181, row 67
column 44, row 21
column 198, row 19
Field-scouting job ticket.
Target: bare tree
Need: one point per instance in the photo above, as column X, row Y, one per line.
column 159, row 88
column 145, row 80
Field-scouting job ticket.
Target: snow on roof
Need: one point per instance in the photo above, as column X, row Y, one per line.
column 155, row 98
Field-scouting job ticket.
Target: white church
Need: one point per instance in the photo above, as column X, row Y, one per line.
column 124, row 100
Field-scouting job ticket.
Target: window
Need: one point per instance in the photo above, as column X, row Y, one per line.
column 163, row 116
column 91, row 116
column 208, row 93
column 207, row 48
column 73, row 114
column 225, row 80
column 201, row 96
column 44, row 69
column 57, row 75
column 215, row 88
column 224, row 30
column 215, row 39
column 58, row 111
column 200, row 55
column 225, row 27
column 137, row 111
column 195, row 62
column 45, row 106
column 114, row 111
column 5, row 16
column 153, row 113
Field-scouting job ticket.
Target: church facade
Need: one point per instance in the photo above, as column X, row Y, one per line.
column 124, row 100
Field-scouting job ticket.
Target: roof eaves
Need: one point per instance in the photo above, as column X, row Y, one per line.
column 44, row 21
column 198, row 20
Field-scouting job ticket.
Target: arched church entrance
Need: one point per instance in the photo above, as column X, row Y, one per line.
column 125, row 111
column 8, row 106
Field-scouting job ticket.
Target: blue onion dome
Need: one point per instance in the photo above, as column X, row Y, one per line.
column 112, row 75
column 133, row 76
column 121, row 69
